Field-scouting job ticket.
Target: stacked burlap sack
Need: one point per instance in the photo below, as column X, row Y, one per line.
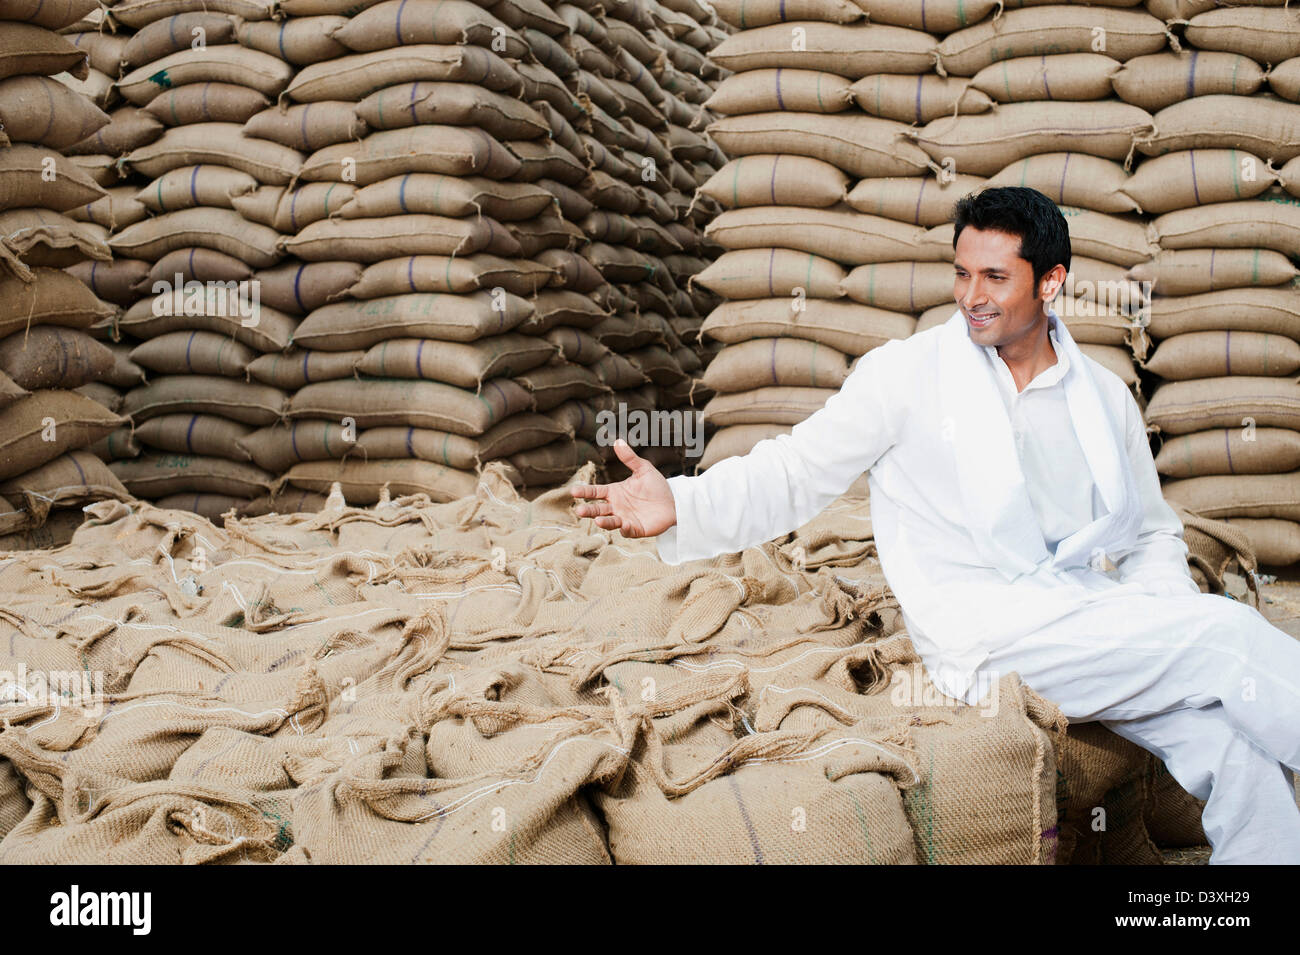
column 49, row 321
column 1220, row 177
column 493, row 680
column 855, row 127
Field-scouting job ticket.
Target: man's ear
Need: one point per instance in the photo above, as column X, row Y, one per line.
column 1051, row 283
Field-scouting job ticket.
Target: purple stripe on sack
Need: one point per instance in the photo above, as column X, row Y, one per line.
column 782, row 11
column 303, row 130
column 771, row 262
column 188, row 343
column 280, row 41
column 297, row 288
column 80, row 473
column 1065, row 168
column 1211, row 270
column 306, row 373
column 397, row 26
column 419, row 359
column 1046, row 88
column 1191, row 76
column 1227, row 449
column 204, row 102
column 916, row 213
column 749, row 824
column 918, row 96
column 189, row 433
column 194, row 193
column 780, row 101
column 1191, row 158
column 401, row 193
column 410, row 447
column 410, row 273
column 774, row 381
column 415, row 88
column 773, row 185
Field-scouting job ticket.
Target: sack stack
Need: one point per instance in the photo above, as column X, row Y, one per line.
column 1220, row 178
column 48, row 320
column 856, row 126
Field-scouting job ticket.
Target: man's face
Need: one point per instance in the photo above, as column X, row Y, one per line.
column 995, row 287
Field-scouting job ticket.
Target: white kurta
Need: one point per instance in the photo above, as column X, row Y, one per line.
column 888, row 419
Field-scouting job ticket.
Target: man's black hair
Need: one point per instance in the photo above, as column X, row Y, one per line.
column 1023, row 212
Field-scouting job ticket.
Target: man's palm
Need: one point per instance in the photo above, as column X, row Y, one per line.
column 641, row 506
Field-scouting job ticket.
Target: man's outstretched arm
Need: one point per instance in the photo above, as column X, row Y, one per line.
column 741, row 501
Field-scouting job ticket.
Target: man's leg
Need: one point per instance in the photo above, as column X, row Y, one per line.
column 1250, row 813
column 1132, row 657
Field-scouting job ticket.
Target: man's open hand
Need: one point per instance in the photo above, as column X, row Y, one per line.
column 641, row 506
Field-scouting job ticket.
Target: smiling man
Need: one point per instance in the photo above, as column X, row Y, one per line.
column 1019, row 521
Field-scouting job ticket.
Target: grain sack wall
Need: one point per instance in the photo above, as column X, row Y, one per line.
column 1167, row 133
column 388, row 244
column 53, row 215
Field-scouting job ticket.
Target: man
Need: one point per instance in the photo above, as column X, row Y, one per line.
column 1019, row 521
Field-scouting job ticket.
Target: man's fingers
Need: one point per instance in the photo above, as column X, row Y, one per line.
column 609, row 522
column 589, row 490
column 597, row 509
column 627, row 455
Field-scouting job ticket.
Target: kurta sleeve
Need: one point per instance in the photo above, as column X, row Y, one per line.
column 1159, row 561
column 785, row 481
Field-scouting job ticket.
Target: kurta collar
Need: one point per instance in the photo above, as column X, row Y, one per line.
column 1045, row 378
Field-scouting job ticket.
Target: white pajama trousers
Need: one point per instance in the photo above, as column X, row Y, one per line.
column 1205, row 683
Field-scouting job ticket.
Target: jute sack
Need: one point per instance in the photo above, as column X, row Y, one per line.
column 417, row 404
column 299, row 287
column 361, row 481
column 1272, row 310
column 220, row 144
column 737, row 440
column 849, row 50
column 454, row 274
column 194, row 352
column 297, row 41
column 355, row 77
column 9, row 391
column 917, row 99
column 1193, row 271
column 1269, row 222
column 176, row 32
column 552, row 385
column 43, row 111
column 113, row 281
column 1284, row 79
column 1232, row 450
column 189, row 186
column 221, row 229
column 440, row 195
column 1099, row 770
column 117, row 445
column 1072, row 179
column 199, row 264
column 117, row 210
column 599, row 189
column 451, row 150
column 767, row 273
column 308, row 126
column 27, row 48
column 1289, row 177
column 1237, row 401
column 278, row 447
column 457, row 318
column 24, row 181
column 983, row 787
column 154, row 475
column 373, row 240
column 518, row 432
column 47, row 356
column 1212, row 354
column 465, row 364
column 1121, row 240
column 1119, row 361
column 553, row 463
column 1276, row 542
column 900, row 286
column 776, row 180
column 839, row 234
column 53, row 16
column 1266, row 127
column 40, row 427
column 577, row 419
column 859, row 145
column 546, row 232
column 297, row 367
column 140, row 13
column 1238, row 495
column 1105, row 283
column 1057, row 29
column 261, row 205
column 747, row 14
column 129, row 128
column 219, row 63
column 1061, row 76
column 72, row 478
column 794, row 90
column 213, row 507
column 544, row 158
column 203, row 434
column 271, row 332
column 985, row 144
column 451, row 104
column 553, row 307
column 920, row 200
column 211, row 394
column 1267, row 34
column 302, row 205
column 103, row 50
column 569, row 270
column 763, row 362
column 123, row 373
column 105, row 396
column 40, row 237
column 1163, row 79
column 1173, row 816
column 394, row 23
column 845, row 326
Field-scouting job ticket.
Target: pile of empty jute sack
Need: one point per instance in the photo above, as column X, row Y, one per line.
column 495, row 680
